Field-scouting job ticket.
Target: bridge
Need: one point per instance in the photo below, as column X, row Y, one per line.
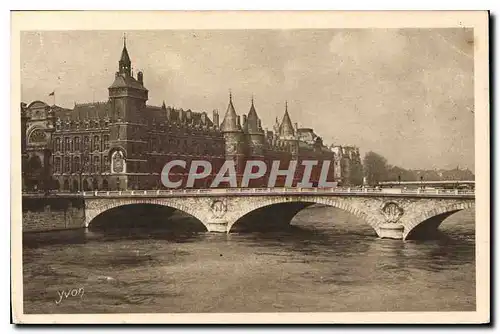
column 392, row 213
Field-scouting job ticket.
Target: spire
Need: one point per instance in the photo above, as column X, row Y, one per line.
column 286, row 127
column 253, row 120
column 230, row 122
column 124, row 64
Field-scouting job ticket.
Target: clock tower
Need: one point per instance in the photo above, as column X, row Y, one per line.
column 127, row 97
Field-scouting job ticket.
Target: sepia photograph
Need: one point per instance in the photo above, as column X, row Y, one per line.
column 243, row 166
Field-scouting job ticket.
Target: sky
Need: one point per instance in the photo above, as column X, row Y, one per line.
column 407, row 94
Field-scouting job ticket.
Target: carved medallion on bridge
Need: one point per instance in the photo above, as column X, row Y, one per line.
column 218, row 208
column 392, row 212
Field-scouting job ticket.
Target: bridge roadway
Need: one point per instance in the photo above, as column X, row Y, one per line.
column 392, row 212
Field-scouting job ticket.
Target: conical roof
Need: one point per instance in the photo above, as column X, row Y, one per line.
column 253, row 121
column 125, row 57
column 230, row 122
column 286, row 127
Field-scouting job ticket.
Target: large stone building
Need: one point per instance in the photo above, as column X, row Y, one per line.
column 123, row 143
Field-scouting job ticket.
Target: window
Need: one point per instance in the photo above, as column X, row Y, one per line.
column 66, row 165
column 106, row 142
column 106, row 164
column 58, row 145
column 76, row 164
column 57, row 164
column 95, row 166
column 86, row 143
column 77, row 144
column 67, row 144
column 86, row 162
column 97, row 143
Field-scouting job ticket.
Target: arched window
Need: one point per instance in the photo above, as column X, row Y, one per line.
column 77, row 144
column 106, row 164
column 58, row 145
column 66, row 165
column 106, row 141
column 95, row 165
column 86, row 143
column 86, row 163
column 97, row 143
column 67, row 144
column 76, row 163
column 57, row 164
column 75, row 186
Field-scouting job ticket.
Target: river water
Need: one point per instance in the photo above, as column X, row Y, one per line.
column 328, row 261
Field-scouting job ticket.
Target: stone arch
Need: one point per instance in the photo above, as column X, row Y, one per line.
column 66, row 185
column 439, row 213
column 75, row 186
column 56, row 185
column 95, row 184
column 336, row 202
column 86, row 185
column 94, row 208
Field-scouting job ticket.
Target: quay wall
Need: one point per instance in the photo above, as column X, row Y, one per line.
column 53, row 212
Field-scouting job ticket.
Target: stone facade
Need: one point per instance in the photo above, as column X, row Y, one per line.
column 123, row 143
column 390, row 216
column 348, row 168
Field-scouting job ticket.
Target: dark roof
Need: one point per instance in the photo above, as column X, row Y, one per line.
column 286, row 127
column 126, row 81
column 230, row 122
column 253, row 121
column 172, row 115
column 125, row 57
column 84, row 110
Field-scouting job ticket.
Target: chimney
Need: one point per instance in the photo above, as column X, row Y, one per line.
column 188, row 114
column 140, row 77
column 296, row 127
column 215, row 118
column 244, row 120
column 238, row 121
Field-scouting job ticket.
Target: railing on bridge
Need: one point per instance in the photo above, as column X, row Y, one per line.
column 236, row 191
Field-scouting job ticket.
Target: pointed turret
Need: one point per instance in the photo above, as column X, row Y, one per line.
column 124, row 64
column 286, row 127
column 253, row 121
column 230, row 122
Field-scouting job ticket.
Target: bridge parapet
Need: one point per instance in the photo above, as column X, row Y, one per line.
column 285, row 191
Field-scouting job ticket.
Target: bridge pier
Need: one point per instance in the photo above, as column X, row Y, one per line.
column 391, row 231
column 217, row 226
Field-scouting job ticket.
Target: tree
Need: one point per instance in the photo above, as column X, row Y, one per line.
column 375, row 168
column 356, row 174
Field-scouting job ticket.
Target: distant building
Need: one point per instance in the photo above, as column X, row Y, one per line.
column 123, row 143
column 348, row 169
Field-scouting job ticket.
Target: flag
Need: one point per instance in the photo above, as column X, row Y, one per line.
column 51, row 94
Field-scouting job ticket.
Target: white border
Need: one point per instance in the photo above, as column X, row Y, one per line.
column 240, row 20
